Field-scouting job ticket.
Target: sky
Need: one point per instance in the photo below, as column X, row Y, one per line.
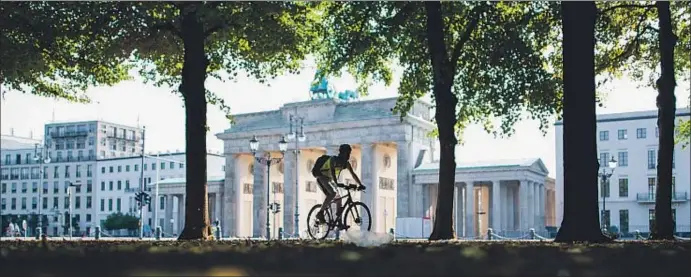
column 163, row 115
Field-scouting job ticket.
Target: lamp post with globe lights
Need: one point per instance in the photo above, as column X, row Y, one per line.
column 268, row 161
column 297, row 134
column 604, row 175
column 41, row 158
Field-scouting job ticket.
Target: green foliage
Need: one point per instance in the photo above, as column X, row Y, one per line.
column 70, row 46
column 627, row 35
column 498, row 64
column 117, row 221
column 50, row 49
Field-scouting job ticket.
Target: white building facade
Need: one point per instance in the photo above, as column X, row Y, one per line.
column 103, row 158
column 629, row 196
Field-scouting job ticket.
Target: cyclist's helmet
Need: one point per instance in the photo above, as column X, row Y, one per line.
column 344, row 151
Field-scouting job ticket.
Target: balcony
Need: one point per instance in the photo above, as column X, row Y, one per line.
column 72, row 134
column 646, row 197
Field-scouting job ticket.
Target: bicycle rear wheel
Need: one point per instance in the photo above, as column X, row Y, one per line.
column 358, row 214
column 314, row 229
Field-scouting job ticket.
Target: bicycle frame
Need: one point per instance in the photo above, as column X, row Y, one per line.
column 344, row 206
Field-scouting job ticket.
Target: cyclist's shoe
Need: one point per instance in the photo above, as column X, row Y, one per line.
column 320, row 218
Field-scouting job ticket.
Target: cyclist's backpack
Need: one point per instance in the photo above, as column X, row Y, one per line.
column 316, row 170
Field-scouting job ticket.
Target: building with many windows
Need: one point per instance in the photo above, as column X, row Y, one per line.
column 97, row 163
column 627, row 199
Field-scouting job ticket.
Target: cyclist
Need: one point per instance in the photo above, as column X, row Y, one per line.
column 327, row 169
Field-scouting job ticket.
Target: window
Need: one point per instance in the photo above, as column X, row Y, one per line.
column 277, row 187
column 127, row 168
column 127, row 184
column 103, row 169
column 44, row 203
column 67, row 171
column 103, row 185
column 181, row 165
column 110, row 185
column 45, row 187
column 162, row 201
column 119, row 185
column 624, row 221
column 88, row 202
column 56, row 187
column 145, row 167
column 118, row 204
column 103, row 205
column 88, row 217
column 24, row 187
column 119, row 168
column 604, row 135
column 3, row 204
column 311, row 186
column 34, row 203
column 604, row 188
column 4, row 188
column 89, row 171
column 163, row 165
column 640, row 133
column 674, row 187
column 67, row 202
column 23, row 203
column 651, row 187
column 623, row 187
column 153, row 166
column 247, row 188
column 622, row 134
column 604, row 159
column 34, row 187
column 77, row 202
column 89, row 185
column 657, row 132
column 623, row 159
column 651, row 158
column 110, row 205
column 651, row 218
column 172, row 165
column 14, row 188
column 56, row 202
column 13, row 204
column 136, row 167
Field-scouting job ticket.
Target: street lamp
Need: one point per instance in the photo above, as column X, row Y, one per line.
column 268, row 161
column 69, row 203
column 604, row 175
column 42, row 159
column 298, row 135
column 141, row 188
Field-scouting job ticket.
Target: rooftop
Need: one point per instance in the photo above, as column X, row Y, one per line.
column 492, row 164
column 627, row 116
column 15, row 143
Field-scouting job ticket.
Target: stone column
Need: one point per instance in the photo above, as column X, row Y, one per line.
column 523, row 204
column 181, row 213
column 470, row 210
column 218, row 206
column 457, row 211
column 369, row 178
column 496, row 206
column 404, row 163
column 259, row 199
column 289, row 190
column 230, row 192
column 542, row 205
column 530, row 216
column 536, row 204
column 169, row 214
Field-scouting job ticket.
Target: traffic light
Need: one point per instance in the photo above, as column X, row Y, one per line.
column 278, row 208
column 147, row 199
column 138, row 198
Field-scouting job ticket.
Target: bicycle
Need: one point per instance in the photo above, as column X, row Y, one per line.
column 349, row 209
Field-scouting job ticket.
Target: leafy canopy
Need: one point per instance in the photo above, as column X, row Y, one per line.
column 70, row 46
column 500, row 70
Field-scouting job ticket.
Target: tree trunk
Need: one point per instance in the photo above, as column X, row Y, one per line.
column 580, row 221
column 663, row 227
column 445, row 115
column 192, row 88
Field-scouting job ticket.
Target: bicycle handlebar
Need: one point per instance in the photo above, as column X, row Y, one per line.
column 350, row 187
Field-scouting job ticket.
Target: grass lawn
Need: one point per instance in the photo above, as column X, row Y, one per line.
column 251, row 258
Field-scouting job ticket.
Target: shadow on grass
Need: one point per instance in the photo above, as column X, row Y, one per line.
column 248, row 258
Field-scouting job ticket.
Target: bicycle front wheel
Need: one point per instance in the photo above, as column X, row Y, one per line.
column 358, row 217
column 316, row 230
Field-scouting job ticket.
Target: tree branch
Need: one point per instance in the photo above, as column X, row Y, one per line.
column 609, row 9
column 218, row 27
column 168, row 26
column 630, row 47
column 472, row 25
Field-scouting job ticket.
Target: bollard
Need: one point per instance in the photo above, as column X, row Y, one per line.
column 39, row 232
column 219, row 234
column 97, row 232
column 280, row 233
column 489, row 233
column 532, row 233
column 158, row 232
